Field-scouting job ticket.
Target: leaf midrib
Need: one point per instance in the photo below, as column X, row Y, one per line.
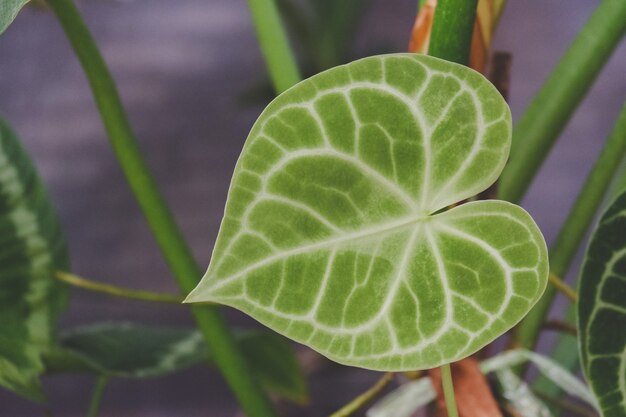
column 381, row 229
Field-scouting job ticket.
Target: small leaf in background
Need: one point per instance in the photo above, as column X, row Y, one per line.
column 548, row 367
column 602, row 311
column 519, row 395
column 333, row 233
column 133, row 350
column 471, row 390
column 32, row 247
column 8, row 11
column 136, row 351
column 408, row 398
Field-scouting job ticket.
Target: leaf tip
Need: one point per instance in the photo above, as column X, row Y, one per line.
column 200, row 294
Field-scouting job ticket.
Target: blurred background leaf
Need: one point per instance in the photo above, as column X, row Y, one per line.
column 518, row 396
column 32, row 247
column 602, row 310
column 132, row 350
column 323, row 30
column 323, row 33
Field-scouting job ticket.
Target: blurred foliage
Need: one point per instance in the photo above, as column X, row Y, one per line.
column 323, row 33
column 132, row 350
column 32, row 247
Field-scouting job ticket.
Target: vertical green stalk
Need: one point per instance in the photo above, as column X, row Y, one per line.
column 170, row 239
column 616, row 148
column 453, row 25
column 343, row 21
column 278, row 55
column 576, row 224
column 542, row 122
column 96, row 397
column 448, row 390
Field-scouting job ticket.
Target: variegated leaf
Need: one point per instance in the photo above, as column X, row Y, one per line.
column 131, row 350
column 602, row 311
column 333, row 233
column 31, row 248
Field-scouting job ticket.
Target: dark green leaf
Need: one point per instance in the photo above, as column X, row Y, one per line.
column 602, row 311
column 31, row 248
column 134, row 351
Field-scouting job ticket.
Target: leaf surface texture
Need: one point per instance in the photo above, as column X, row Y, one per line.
column 333, row 235
column 602, row 311
column 32, row 247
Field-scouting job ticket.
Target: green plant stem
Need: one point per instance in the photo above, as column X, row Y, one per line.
column 279, row 57
column 343, row 20
column 359, row 402
column 96, row 396
column 453, row 25
column 565, row 289
column 448, row 390
column 546, row 116
column 115, row 291
column 177, row 254
column 575, row 226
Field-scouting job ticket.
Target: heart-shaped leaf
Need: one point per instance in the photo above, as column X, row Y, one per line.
column 602, row 311
column 331, row 234
column 31, row 248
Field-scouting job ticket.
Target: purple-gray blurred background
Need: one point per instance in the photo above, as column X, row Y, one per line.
column 182, row 67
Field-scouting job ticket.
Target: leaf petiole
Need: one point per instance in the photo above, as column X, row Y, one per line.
column 96, row 397
column 116, row 291
column 453, row 25
column 359, row 402
column 560, row 285
column 448, row 390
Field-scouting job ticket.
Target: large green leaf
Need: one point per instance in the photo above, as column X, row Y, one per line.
column 602, row 311
column 332, row 234
column 135, row 351
column 31, row 247
column 8, row 12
